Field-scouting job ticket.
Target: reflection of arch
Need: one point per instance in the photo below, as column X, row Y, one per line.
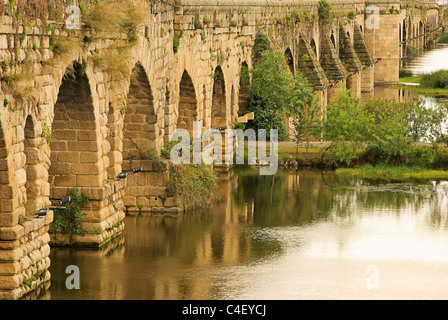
column 75, row 151
column 139, row 131
column 219, row 100
column 244, row 90
column 289, row 60
column 187, row 109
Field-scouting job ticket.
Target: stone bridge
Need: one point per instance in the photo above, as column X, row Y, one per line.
column 82, row 106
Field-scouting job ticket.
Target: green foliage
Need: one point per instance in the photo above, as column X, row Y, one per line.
column 305, row 110
column 436, row 80
column 47, row 135
column 397, row 173
column 193, row 185
column 176, row 41
column 207, row 20
column 405, row 74
column 346, row 127
column 166, row 151
column 270, row 92
column 425, row 123
column 197, row 24
column 239, row 125
column 324, row 11
column 444, row 38
column 387, row 128
column 244, row 75
column 351, row 15
column 421, row 156
column 261, row 45
column 411, row 50
column 68, row 220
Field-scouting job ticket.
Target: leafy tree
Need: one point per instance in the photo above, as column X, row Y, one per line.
column 270, row 91
column 261, row 44
column 306, row 111
column 346, row 127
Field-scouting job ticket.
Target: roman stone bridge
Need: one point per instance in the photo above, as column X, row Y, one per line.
column 80, row 106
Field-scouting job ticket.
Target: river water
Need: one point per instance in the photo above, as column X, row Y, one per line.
column 305, row 234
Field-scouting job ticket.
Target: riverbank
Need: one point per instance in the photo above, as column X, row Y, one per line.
column 399, row 173
column 422, row 162
column 435, row 83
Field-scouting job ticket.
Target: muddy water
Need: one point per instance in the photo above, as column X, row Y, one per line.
column 297, row 235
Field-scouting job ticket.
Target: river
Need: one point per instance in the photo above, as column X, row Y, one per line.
column 304, row 234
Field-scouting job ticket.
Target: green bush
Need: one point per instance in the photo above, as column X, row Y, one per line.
column 405, row 74
column 68, row 220
column 440, row 160
column 420, row 156
column 261, row 45
column 436, row 80
column 193, row 185
column 324, row 11
column 411, row 50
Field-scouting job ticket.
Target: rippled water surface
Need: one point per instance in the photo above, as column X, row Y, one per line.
column 297, row 235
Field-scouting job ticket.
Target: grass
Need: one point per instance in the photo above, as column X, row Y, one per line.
column 435, row 83
column 411, row 79
column 388, row 173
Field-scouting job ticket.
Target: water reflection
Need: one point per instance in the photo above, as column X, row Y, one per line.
column 428, row 61
column 306, row 234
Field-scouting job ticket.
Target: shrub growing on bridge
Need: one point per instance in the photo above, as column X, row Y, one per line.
column 193, row 185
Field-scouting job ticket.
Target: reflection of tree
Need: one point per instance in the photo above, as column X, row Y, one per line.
column 288, row 198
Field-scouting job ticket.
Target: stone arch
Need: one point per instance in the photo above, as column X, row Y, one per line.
column 289, row 60
column 219, row 104
column 243, row 94
column 187, row 109
column 361, row 28
column 75, row 144
column 140, row 121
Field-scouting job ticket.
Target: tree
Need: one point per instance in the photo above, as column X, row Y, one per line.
column 306, row 111
column 270, row 91
column 346, row 126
